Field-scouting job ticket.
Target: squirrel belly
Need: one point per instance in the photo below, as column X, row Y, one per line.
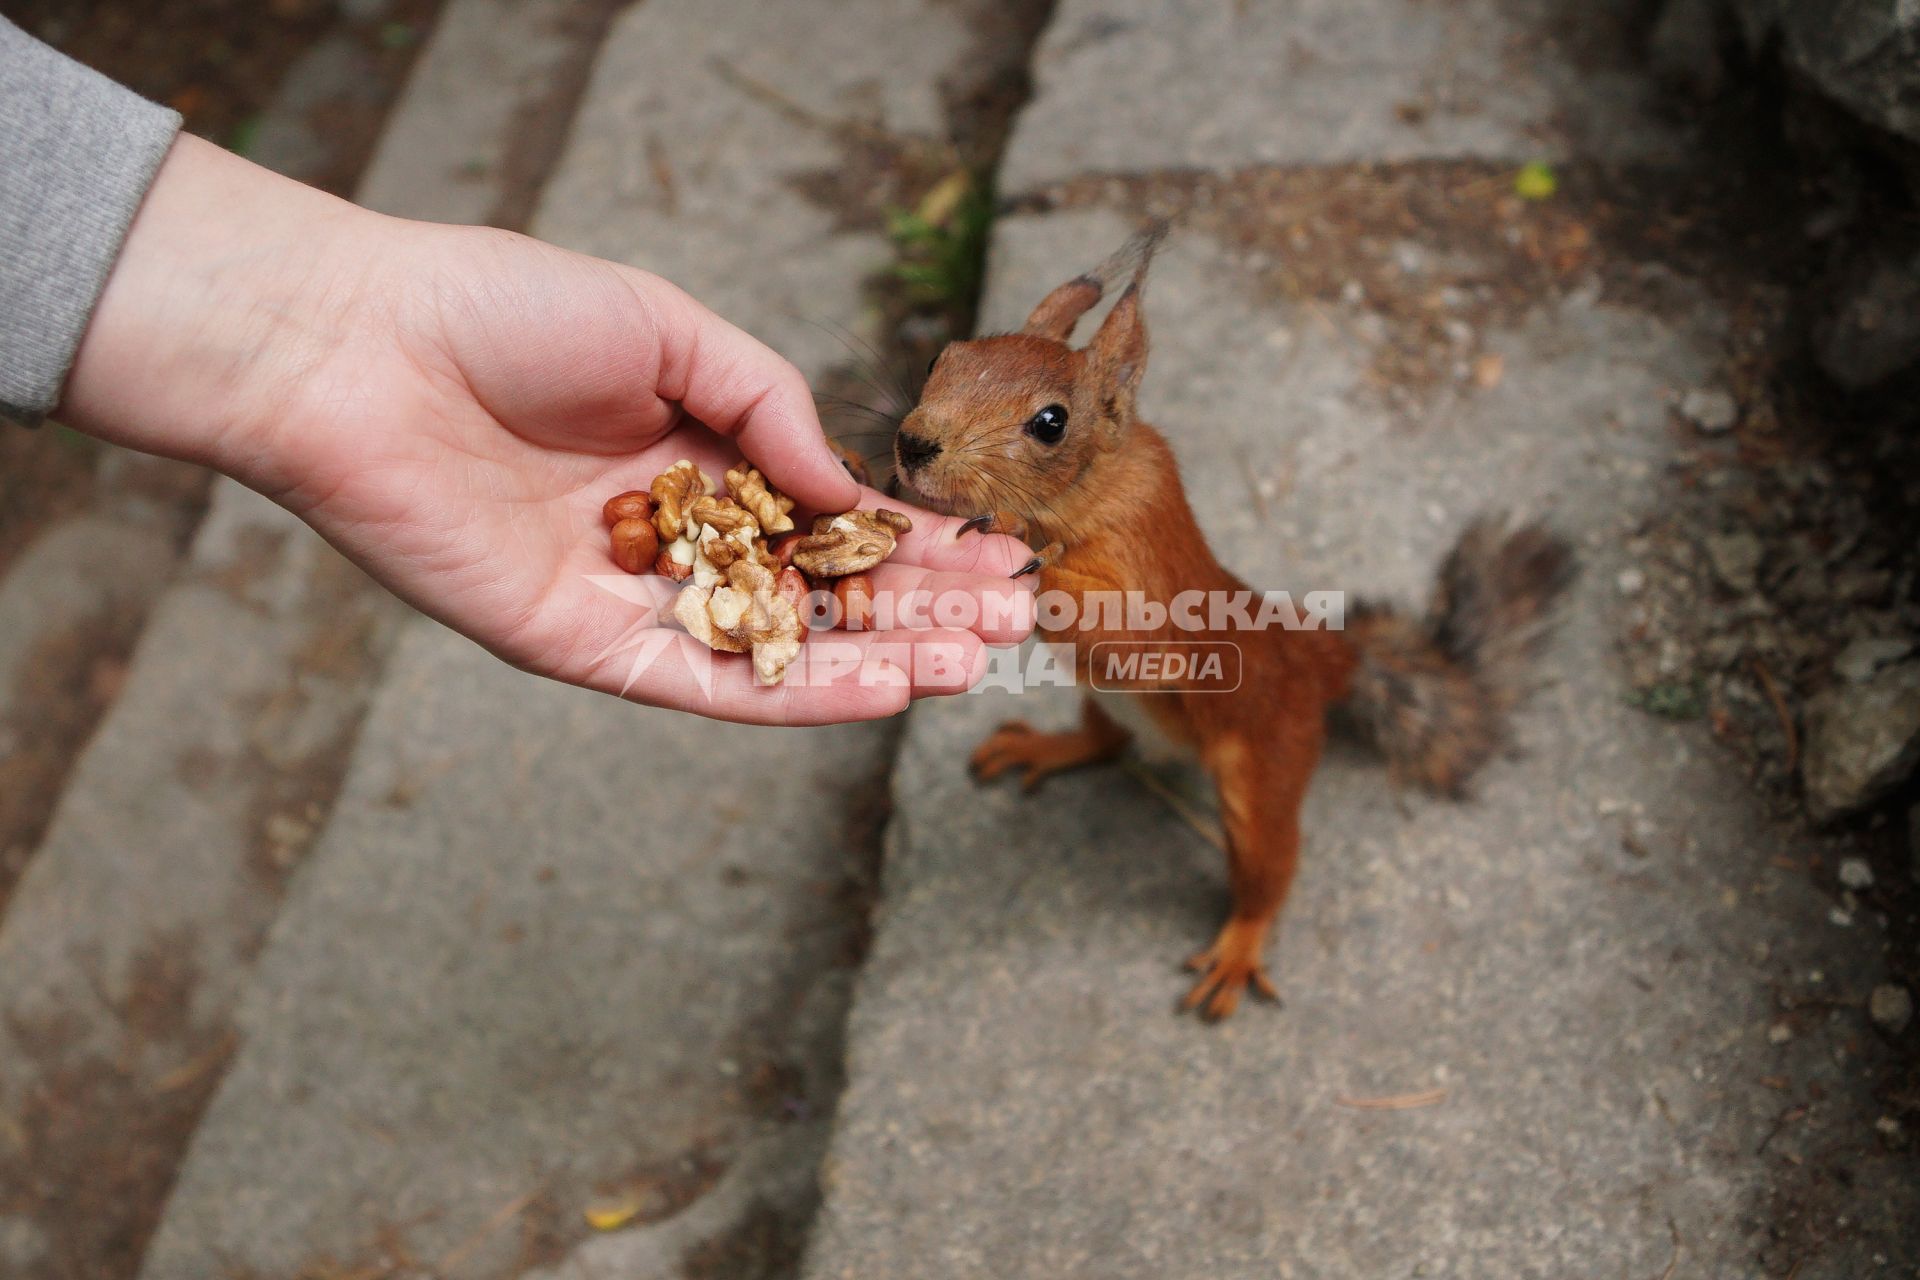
column 1133, row 712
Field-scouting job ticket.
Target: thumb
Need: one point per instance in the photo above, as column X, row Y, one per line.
column 738, row 387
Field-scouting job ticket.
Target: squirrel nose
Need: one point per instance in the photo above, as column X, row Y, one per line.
column 914, row 451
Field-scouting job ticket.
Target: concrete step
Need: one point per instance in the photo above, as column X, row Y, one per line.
column 1510, row 1045
column 133, row 932
column 551, row 947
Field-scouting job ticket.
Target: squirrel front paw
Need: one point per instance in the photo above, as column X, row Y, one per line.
column 1018, row 745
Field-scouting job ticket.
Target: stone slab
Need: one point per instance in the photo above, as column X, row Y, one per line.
column 1132, row 85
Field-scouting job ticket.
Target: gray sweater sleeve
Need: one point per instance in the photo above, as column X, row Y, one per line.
column 77, row 153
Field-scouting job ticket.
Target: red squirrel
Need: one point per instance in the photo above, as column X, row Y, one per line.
column 1027, row 435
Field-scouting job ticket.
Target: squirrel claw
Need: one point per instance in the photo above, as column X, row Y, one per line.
column 1048, row 554
column 975, row 524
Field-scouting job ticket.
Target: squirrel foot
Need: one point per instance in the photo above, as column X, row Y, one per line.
column 1018, row 745
column 1227, row 968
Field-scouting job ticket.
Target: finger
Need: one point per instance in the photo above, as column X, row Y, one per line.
column 935, row 541
column 998, row 610
column 740, row 388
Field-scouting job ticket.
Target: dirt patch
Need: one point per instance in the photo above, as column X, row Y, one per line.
column 1421, row 260
column 762, row 1246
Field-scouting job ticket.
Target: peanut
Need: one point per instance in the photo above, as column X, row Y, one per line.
column 632, row 505
column 854, row 595
column 791, row 585
column 635, row 544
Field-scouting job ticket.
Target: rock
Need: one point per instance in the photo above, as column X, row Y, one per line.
column 1710, row 411
column 1736, row 560
column 1861, row 54
column 1864, row 54
column 1862, row 741
column 1891, row 1007
column 1631, row 582
column 1861, row 658
column 1855, row 873
column 1870, row 330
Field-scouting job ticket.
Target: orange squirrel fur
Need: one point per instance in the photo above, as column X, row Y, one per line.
column 1031, row 436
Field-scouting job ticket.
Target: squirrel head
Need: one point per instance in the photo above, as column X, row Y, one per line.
column 1010, row 423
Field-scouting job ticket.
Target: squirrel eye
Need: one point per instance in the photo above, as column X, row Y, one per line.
column 1048, row 425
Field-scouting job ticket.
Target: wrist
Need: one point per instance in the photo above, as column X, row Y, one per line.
column 234, row 285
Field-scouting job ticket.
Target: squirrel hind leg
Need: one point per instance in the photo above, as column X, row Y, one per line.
column 1227, row 968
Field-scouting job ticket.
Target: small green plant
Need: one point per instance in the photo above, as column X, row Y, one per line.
column 1536, row 181
column 1675, row 700
column 942, row 243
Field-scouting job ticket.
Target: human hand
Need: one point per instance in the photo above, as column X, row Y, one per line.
column 451, row 406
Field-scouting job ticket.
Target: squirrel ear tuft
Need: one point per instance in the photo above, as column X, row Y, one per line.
column 1060, row 310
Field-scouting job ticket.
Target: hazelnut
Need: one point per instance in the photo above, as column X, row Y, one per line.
column 665, row 565
column 635, row 504
column 635, row 544
column 854, row 595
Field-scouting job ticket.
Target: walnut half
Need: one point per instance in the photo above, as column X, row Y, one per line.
column 851, row 543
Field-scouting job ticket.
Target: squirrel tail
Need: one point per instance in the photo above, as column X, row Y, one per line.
column 1434, row 693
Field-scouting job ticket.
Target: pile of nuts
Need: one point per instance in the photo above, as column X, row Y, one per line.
column 744, row 593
